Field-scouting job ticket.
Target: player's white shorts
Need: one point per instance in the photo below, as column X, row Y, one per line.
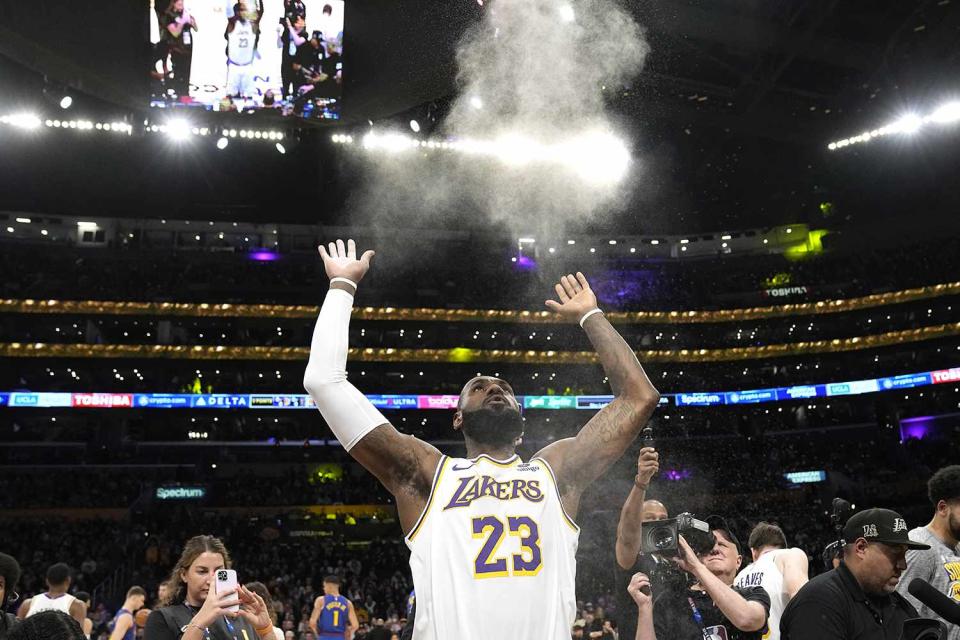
column 240, row 80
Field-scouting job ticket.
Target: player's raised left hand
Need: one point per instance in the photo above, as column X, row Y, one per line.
column 340, row 261
column 576, row 297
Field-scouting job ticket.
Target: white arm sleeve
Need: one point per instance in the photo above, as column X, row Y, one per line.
column 348, row 412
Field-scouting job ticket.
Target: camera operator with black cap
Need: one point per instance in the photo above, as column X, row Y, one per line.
column 712, row 608
column 858, row 599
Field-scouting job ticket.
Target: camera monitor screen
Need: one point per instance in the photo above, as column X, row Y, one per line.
column 243, row 55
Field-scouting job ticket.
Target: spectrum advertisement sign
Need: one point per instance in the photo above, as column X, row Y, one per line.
column 178, row 492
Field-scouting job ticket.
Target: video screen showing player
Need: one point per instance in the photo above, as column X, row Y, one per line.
column 241, row 55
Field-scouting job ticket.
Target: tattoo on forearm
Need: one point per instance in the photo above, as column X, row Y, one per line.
column 618, row 359
column 610, row 432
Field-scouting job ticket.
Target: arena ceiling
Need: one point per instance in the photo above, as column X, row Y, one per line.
column 737, row 101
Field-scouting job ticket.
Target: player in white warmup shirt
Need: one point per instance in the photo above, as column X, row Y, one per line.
column 780, row 571
column 241, row 34
column 492, row 538
column 56, row 597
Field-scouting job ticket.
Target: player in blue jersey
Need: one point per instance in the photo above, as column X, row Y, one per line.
column 333, row 615
column 123, row 626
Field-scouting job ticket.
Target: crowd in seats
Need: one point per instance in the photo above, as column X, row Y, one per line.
column 747, row 485
column 158, row 375
column 173, row 330
column 468, row 268
column 234, row 486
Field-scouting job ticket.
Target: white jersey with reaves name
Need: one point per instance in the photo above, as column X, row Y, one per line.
column 765, row 573
column 493, row 554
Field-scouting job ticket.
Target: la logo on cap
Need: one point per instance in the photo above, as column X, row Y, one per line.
column 870, row 531
column 899, row 524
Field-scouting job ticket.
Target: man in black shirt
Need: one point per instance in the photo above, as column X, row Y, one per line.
column 858, row 599
column 294, row 36
column 309, row 61
column 711, row 608
column 636, row 510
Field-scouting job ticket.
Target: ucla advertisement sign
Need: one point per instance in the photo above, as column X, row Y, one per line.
column 28, row 399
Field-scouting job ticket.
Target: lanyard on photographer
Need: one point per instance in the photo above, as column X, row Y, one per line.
column 229, row 624
column 697, row 618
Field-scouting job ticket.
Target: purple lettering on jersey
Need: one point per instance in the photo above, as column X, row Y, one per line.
column 473, row 488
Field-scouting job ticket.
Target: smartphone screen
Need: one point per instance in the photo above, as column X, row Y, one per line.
column 227, row 580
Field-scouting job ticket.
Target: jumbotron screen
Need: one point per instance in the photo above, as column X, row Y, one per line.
column 229, row 56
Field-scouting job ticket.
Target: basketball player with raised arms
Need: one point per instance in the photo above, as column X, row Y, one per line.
column 241, row 35
column 492, row 538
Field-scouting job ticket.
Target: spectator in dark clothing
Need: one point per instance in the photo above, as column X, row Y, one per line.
column 9, row 575
column 48, row 625
column 292, row 38
column 196, row 610
column 711, row 606
column 857, row 600
column 177, row 27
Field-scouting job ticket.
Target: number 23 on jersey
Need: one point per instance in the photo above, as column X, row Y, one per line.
column 489, row 564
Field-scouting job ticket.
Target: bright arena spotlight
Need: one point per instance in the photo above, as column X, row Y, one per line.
column 907, row 124
column 66, row 102
column 22, row 120
column 596, row 157
column 949, row 112
column 178, row 129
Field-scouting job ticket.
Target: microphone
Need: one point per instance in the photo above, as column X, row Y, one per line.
column 646, row 437
column 941, row 604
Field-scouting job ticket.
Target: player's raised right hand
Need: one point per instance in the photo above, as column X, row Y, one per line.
column 341, row 261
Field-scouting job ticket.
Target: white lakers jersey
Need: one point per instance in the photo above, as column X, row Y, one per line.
column 493, row 554
column 240, row 43
column 43, row 602
column 764, row 573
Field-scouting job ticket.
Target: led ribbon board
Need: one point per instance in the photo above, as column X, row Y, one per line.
column 30, row 399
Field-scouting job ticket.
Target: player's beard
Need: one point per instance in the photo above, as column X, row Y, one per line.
column 954, row 525
column 493, row 426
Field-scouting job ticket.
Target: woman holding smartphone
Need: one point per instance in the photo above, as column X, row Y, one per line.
column 196, row 611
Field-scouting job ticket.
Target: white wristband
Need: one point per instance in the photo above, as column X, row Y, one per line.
column 345, row 281
column 587, row 315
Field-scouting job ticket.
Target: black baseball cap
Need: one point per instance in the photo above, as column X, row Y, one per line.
column 719, row 522
column 879, row 525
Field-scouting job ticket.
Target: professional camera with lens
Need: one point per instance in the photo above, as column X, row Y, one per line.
column 662, row 536
column 923, row 629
